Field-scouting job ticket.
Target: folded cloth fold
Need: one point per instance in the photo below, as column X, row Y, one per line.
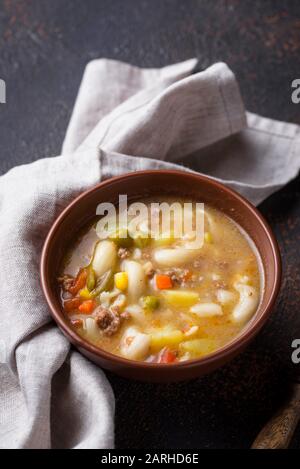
column 125, row 119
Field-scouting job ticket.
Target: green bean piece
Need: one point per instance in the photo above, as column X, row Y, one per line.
column 91, row 279
column 103, row 283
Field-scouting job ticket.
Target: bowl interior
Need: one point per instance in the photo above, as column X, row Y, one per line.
column 151, row 183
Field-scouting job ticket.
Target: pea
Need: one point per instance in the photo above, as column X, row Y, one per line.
column 103, row 283
column 150, row 302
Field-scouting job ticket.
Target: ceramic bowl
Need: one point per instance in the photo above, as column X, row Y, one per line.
column 150, row 183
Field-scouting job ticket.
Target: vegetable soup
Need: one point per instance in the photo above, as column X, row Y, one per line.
column 153, row 298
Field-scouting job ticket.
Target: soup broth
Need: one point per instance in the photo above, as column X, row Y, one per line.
column 154, row 299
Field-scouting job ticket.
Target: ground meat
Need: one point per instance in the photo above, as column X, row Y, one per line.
column 179, row 277
column 176, row 280
column 77, row 323
column 109, row 319
column 123, row 253
column 66, row 281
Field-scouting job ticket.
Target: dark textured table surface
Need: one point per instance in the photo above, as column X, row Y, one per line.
column 44, row 48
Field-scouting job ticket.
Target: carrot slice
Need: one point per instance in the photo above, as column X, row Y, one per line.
column 163, row 281
column 72, row 305
column 167, row 356
column 79, row 282
column 87, row 306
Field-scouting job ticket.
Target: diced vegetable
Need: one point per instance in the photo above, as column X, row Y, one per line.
column 175, row 256
column 121, row 280
column 136, row 280
column 122, row 238
column 85, row 294
column 208, row 237
column 163, row 282
column 167, row 356
column 206, row 310
column 165, row 338
column 79, row 282
column 183, row 298
column 72, row 305
column 134, row 344
column 91, row 279
column 105, row 257
column 87, row 306
column 150, row 302
column 198, row 347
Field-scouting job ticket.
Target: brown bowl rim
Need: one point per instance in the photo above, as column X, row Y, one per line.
column 228, row 349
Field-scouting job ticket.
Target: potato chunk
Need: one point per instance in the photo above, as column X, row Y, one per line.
column 183, row 298
column 165, row 337
column 206, row 310
column 197, row 347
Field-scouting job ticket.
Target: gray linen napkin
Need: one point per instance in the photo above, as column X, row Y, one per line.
column 124, row 119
